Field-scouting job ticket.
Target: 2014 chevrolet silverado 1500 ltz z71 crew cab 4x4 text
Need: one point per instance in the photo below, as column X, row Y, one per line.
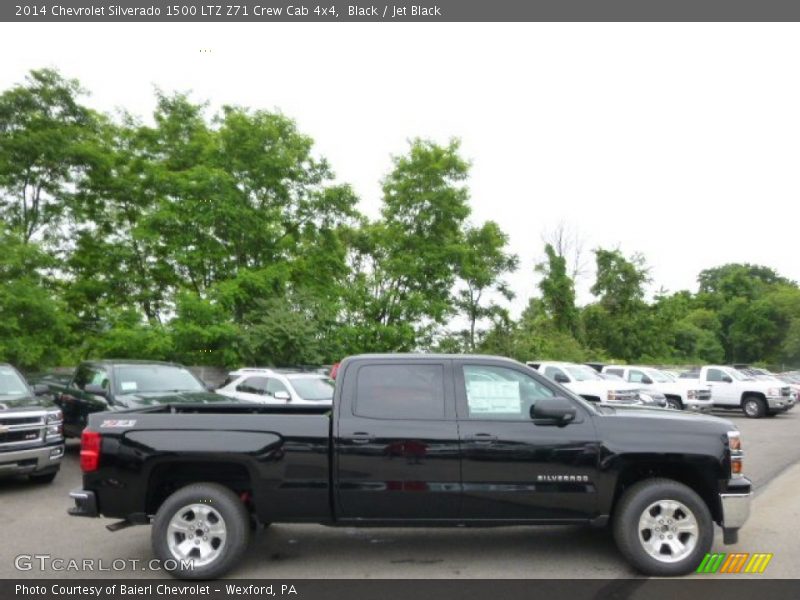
column 417, row 440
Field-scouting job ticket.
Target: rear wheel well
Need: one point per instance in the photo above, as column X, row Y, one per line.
column 682, row 473
column 167, row 478
column 675, row 397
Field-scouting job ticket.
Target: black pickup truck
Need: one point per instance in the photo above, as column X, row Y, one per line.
column 417, row 440
column 31, row 439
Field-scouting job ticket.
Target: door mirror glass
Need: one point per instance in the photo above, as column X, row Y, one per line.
column 553, row 411
column 727, row 379
column 647, row 380
column 561, row 378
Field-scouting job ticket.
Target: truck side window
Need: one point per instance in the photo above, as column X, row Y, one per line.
column 551, row 372
column 273, row 385
column 501, row 393
column 87, row 374
column 713, row 375
column 636, row 376
column 400, row 392
column 253, row 385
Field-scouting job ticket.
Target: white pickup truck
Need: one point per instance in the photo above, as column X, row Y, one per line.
column 732, row 389
column 681, row 394
column 586, row 382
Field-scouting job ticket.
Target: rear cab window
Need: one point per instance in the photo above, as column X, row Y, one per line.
column 400, row 391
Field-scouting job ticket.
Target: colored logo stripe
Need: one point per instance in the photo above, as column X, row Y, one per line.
column 737, row 562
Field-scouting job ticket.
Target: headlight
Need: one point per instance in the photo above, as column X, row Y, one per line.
column 691, row 395
column 54, row 426
column 737, row 455
column 774, row 392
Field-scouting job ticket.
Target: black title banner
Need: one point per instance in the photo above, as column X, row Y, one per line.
column 398, row 10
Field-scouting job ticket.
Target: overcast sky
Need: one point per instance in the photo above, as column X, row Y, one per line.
column 679, row 141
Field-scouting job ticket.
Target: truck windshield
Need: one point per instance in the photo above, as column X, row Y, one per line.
column 11, row 384
column 317, row 389
column 583, row 373
column 137, row 379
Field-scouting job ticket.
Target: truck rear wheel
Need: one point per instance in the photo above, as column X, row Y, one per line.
column 663, row 527
column 201, row 531
column 754, row 407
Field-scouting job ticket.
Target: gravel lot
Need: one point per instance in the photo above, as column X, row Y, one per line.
column 35, row 522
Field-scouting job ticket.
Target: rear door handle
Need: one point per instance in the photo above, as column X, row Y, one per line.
column 481, row 438
column 361, row 437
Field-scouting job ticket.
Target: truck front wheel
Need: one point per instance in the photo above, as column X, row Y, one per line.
column 663, row 527
column 201, row 531
column 754, row 407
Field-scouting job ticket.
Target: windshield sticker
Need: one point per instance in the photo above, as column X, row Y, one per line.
column 118, row 423
column 128, row 386
column 494, row 397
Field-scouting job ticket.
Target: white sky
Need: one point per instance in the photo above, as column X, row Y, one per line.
column 680, row 141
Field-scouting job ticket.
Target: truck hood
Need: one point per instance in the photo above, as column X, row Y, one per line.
column 665, row 418
column 143, row 399
column 23, row 403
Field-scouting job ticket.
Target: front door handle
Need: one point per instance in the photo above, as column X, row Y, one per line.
column 481, row 438
column 361, row 437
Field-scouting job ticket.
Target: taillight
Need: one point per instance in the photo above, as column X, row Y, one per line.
column 90, row 450
column 737, row 455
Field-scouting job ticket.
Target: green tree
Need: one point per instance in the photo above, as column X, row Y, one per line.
column 481, row 268
column 43, row 130
column 558, row 292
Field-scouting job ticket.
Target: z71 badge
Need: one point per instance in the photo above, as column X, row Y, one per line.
column 118, row 423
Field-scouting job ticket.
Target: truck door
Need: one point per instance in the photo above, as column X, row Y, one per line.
column 723, row 390
column 513, row 469
column 396, row 441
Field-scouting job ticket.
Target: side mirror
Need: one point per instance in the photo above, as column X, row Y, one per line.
column 646, row 380
column 282, row 395
column 41, row 389
column 727, row 379
column 96, row 390
column 553, row 411
column 561, row 378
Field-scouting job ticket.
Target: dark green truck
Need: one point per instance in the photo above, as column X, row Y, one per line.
column 117, row 385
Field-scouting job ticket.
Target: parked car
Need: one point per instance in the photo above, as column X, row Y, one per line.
column 273, row 386
column 417, row 440
column 587, row 382
column 119, row 385
column 732, row 389
column 31, row 437
column 680, row 394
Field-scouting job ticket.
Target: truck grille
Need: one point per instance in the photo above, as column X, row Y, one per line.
column 21, row 430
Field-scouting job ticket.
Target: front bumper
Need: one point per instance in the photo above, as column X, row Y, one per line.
column 780, row 403
column 735, row 503
column 31, row 460
column 85, row 503
column 698, row 405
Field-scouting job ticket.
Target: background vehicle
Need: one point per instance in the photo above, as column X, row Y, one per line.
column 587, row 383
column 115, row 385
column 31, row 438
column 732, row 389
column 274, row 386
column 679, row 394
column 418, row 440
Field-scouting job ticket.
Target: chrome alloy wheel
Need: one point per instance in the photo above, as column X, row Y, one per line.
column 196, row 532
column 668, row 531
column 751, row 407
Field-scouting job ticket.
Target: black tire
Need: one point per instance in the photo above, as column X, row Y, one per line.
column 674, row 403
column 754, row 407
column 43, row 478
column 632, row 505
column 235, row 521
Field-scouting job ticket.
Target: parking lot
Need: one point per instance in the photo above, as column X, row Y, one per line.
column 34, row 522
